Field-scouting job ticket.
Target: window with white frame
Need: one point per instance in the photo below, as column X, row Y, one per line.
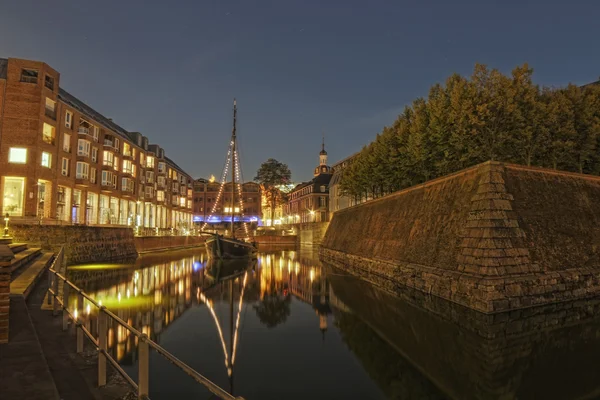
column 149, row 162
column 94, row 154
column 160, row 195
column 127, row 167
column 116, row 163
column 83, row 147
column 95, row 133
column 64, row 171
column 82, row 171
column 93, row 175
column 46, row 160
column 107, row 178
column 161, row 167
column 68, row 119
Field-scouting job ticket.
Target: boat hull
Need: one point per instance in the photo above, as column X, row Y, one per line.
column 229, row 249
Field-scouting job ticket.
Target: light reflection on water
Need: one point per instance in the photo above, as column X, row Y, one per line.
column 289, row 327
column 267, row 333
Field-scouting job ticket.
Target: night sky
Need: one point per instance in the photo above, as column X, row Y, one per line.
column 299, row 68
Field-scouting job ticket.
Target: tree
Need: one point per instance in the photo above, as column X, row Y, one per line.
column 269, row 176
column 488, row 116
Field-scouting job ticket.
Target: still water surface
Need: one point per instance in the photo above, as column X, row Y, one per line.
column 288, row 327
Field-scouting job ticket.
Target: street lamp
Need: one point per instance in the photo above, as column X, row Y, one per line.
column 6, row 218
column 312, row 215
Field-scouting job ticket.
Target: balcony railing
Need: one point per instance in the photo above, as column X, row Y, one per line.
column 108, row 142
column 29, row 79
column 83, row 130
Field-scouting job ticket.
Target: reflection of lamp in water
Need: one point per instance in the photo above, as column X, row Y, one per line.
column 323, row 324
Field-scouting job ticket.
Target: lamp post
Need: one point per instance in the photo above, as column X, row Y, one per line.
column 6, row 219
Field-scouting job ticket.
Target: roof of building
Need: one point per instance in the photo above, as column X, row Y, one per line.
column 321, row 179
column 3, row 67
column 592, row 83
column 88, row 111
column 174, row 164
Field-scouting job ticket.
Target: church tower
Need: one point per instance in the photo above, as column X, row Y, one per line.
column 323, row 168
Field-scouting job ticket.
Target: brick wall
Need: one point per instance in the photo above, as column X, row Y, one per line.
column 5, row 256
column 492, row 237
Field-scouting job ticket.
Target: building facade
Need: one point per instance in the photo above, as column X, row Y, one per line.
column 213, row 208
column 309, row 201
column 61, row 161
column 337, row 199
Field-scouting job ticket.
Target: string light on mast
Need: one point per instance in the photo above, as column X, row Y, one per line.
column 220, row 193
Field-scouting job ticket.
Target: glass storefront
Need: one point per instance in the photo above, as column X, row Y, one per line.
column 63, row 203
column 92, row 208
column 44, row 199
column 104, row 210
column 13, row 196
column 76, row 212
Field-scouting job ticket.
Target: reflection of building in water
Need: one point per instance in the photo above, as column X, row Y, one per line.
column 149, row 299
column 307, row 281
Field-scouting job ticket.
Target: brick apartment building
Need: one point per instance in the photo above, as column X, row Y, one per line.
column 205, row 197
column 63, row 162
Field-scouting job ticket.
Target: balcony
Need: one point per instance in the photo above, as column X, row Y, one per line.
column 82, row 130
column 50, row 113
column 109, row 143
column 149, row 195
column 107, row 186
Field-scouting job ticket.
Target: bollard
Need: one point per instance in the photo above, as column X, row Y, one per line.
column 49, row 287
column 55, row 297
column 79, row 337
column 65, row 306
column 143, row 367
column 102, row 338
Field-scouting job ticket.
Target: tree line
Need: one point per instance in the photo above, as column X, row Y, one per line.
column 469, row 120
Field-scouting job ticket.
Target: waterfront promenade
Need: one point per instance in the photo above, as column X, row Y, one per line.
column 40, row 362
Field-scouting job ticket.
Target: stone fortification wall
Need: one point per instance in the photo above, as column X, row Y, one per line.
column 312, row 233
column 83, row 244
column 492, row 237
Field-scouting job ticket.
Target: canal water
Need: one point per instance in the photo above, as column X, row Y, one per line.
column 288, row 327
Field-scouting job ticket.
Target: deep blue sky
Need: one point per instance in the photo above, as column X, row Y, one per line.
column 299, row 68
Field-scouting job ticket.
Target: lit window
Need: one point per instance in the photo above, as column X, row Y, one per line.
column 83, row 170
column 108, row 158
column 93, row 175
column 13, row 195
column 67, row 142
column 160, row 195
column 48, row 133
column 17, row 155
column 116, row 163
column 149, row 162
column 46, row 160
column 182, row 201
column 127, row 167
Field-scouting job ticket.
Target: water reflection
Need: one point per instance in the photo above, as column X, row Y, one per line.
column 288, row 327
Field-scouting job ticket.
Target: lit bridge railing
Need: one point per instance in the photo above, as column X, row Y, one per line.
column 81, row 318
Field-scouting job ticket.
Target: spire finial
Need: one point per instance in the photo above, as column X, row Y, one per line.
column 323, row 145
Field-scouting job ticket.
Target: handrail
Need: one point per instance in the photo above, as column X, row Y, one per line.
column 83, row 329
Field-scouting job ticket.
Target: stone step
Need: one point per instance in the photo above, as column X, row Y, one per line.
column 17, row 247
column 4, row 240
column 30, row 274
column 24, row 257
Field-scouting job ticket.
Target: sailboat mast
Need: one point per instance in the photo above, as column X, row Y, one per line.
column 233, row 139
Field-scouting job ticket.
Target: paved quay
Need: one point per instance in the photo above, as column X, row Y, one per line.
column 40, row 362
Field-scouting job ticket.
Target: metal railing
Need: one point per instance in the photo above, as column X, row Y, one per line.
column 82, row 319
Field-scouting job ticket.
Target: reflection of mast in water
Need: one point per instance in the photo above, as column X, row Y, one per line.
column 233, row 339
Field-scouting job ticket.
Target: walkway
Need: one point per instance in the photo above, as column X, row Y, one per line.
column 39, row 361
